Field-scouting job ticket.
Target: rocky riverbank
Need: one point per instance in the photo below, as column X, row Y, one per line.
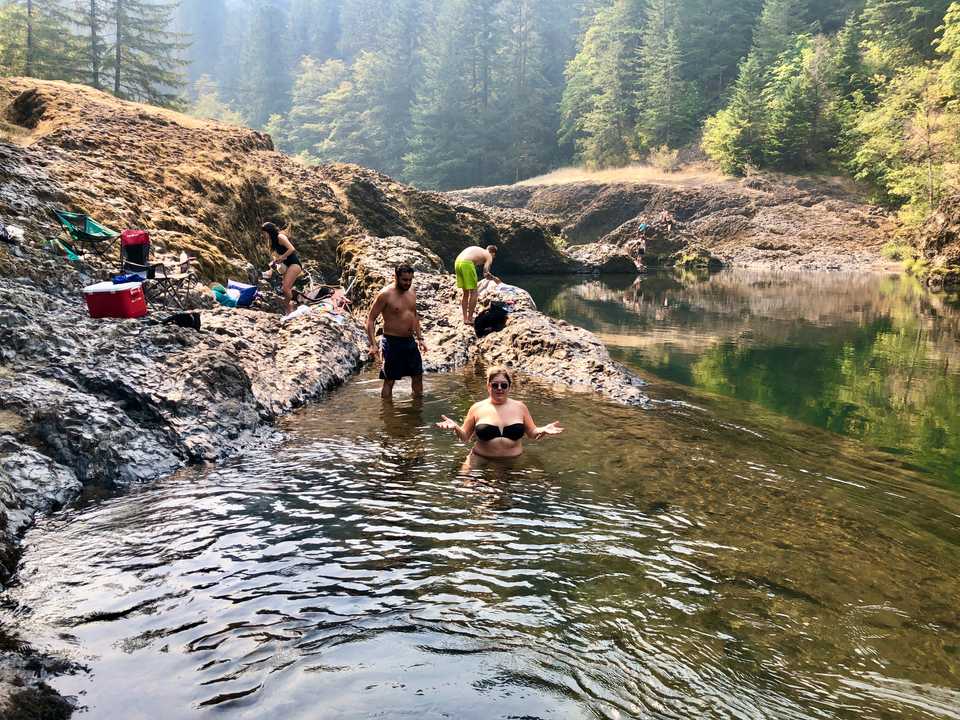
column 769, row 221
column 938, row 243
column 109, row 403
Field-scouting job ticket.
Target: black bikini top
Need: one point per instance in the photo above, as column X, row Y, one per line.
column 488, row 432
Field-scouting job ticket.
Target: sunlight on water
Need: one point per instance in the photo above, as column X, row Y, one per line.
column 647, row 563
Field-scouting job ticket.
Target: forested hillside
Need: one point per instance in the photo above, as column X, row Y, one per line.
column 457, row 93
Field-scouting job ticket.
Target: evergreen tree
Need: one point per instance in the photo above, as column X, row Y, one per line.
column 948, row 45
column 850, row 74
column 208, row 104
column 710, row 57
column 452, row 119
column 666, row 102
column 315, row 28
column 204, row 21
column 13, row 39
column 527, row 98
column 599, row 111
column 264, row 85
column 734, row 136
column 908, row 24
column 49, row 48
column 780, row 22
column 362, row 26
column 94, row 22
column 907, row 143
column 144, row 58
column 798, row 128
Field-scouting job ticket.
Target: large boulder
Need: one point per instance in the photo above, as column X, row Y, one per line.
column 531, row 342
column 605, row 258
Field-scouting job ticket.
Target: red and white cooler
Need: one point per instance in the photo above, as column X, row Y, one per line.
column 106, row 300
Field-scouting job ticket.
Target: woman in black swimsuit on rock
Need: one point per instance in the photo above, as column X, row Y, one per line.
column 285, row 254
column 499, row 423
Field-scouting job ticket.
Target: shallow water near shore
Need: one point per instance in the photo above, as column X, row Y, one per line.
column 705, row 558
column 875, row 357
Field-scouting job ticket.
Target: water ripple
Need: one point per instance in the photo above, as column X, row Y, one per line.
column 357, row 572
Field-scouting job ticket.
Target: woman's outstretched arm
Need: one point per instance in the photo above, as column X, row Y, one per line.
column 535, row 432
column 464, row 432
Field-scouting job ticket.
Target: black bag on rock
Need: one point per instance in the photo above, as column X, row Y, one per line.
column 184, row 319
column 493, row 319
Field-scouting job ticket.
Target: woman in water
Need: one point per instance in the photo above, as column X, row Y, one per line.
column 285, row 254
column 499, row 423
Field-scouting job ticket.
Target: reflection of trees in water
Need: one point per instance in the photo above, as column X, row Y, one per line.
column 867, row 356
column 781, row 307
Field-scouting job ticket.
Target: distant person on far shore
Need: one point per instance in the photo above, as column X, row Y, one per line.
column 399, row 348
column 665, row 218
column 466, row 266
column 285, row 261
column 499, row 423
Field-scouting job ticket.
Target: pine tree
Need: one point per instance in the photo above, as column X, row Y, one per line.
column 13, row 39
column 711, row 58
column 910, row 24
column 144, row 58
column 265, row 76
column 780, row 22
column 204, row 21
column 362, row 26
column 209, row 105
column 665, row 102
column 94, row 22
column 948, row 46
column 49, row 48
column 526, row 97
column 598, row 108
column 849, row 74
column 734, row 136
column 315, row 28
column 452, row 120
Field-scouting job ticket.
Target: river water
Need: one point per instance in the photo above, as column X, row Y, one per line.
column 708, row 557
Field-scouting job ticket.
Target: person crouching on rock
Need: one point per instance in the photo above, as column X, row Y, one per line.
column 402, row 341
column 499, row 422
column 466, row 268
column 285, row 259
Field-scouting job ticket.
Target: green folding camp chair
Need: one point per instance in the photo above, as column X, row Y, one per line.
column 85, row 233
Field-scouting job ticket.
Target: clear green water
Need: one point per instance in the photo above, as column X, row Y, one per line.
column 872, row 357
column 704, row 558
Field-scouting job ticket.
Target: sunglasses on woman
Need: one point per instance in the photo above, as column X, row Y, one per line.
column 500, row 385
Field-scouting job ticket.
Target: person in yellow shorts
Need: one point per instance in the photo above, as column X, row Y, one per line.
column 466, row 266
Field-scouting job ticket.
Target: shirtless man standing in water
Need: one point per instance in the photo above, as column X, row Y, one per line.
column 402, row 341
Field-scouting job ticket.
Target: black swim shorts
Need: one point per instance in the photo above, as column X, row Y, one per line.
column 401, row 358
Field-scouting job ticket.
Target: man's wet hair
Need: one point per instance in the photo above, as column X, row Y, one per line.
column 403, row 270
column 492, row 249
